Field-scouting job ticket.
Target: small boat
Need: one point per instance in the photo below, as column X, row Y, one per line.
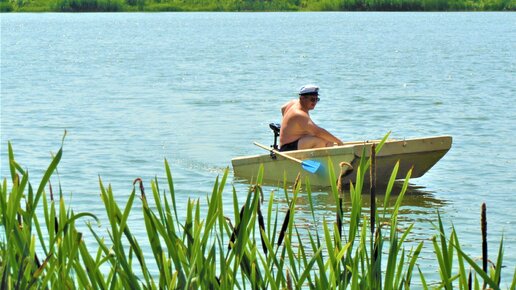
column 420, row 154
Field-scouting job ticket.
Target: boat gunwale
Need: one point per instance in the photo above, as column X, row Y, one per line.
column 333, row 151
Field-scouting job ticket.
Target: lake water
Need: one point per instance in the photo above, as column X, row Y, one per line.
column 199, row 88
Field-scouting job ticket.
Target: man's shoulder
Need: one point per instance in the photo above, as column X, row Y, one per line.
column 296, row 113
column 290, row 104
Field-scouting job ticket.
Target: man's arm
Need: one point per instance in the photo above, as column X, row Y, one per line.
column 322, row 133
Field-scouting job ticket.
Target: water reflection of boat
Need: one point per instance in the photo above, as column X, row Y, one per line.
column 416, row 199
column 420, row 154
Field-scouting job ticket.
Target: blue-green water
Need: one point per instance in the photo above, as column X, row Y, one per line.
column 198, row 88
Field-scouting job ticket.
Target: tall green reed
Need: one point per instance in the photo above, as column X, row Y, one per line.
column 257, row 247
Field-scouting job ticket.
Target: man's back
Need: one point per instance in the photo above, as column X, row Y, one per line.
column 294, row 123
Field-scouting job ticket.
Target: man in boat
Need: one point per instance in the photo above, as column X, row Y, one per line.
column 298, row 131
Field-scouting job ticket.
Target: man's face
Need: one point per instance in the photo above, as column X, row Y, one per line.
column 310, row 101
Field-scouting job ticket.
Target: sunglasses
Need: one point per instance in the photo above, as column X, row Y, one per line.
column 314, row 99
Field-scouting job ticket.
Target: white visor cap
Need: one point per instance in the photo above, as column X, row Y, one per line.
column 309, row 90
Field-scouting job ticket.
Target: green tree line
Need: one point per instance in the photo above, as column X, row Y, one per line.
column 253, row 5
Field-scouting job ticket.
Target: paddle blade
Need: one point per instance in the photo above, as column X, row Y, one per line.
column 311, row 165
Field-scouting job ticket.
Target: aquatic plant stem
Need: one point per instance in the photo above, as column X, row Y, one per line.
column 372, row 174
column 483, row 221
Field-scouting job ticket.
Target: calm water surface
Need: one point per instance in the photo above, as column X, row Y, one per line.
column 198, row 88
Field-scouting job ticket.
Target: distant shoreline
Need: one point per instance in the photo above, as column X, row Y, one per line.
column 255, row 6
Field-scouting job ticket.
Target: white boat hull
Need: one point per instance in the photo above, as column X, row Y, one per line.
column 419, row 153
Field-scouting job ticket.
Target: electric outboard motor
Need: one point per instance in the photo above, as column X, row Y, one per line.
column 275, row 127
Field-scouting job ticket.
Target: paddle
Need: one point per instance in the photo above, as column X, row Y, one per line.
column 308, row 165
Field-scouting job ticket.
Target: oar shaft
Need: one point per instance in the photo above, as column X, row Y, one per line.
column 277, row 152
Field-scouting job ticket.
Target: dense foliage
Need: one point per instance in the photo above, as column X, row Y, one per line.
column 258, row 246
column 254, row 5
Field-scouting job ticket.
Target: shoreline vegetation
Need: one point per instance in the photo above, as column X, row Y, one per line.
column 252, row 5
column 258, row 247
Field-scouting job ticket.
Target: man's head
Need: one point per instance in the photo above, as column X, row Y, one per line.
column 309, row 96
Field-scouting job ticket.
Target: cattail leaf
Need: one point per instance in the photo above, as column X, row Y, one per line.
column 390, row 184
column 268, row 273
column 422, row 278
column 411, row 264
column 169, row 223
column 154, row 240
column 91, row 269
column 319, row 260
column 270, row 249
column 399, row 200
column 301, row 248
column 353, row 268
column 391, row 259
column 220, row 205
column 171, row 188
column 405, row 235
column 3, row 202
column 12, row 167
column 82, row 278
column 332, row 179
column 39, row 232
column 306, row 272
column 463, row 282
column 399, row 271
column 329, row 246
column 13, row 205
column 440, row 260
column 259, row 178
column 75, row 241
column 499, row 264
column 380, row 145
column 450, row 255
column 157, row 198
column 445, row 260
column 310, row 198
column 173, row 281
column 343, row 251
column 242, row 233
column 223, row 180
column 47, row 174
column 49, row 273
column 52, row 227
column 166, row 274
column 478, row 269
column 291, row 257
column 235, row 207
column 127, row 210
column 269, row 216
column 356, row 210
column 46, row 216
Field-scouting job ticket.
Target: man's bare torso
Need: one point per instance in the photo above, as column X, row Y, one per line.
column 293, row 123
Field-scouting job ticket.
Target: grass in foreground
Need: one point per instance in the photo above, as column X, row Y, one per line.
column 258, row 247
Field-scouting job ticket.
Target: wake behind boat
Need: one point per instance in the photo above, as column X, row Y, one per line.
column 418, row 153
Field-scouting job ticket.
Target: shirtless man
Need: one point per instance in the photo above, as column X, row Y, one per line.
column 298, row 131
